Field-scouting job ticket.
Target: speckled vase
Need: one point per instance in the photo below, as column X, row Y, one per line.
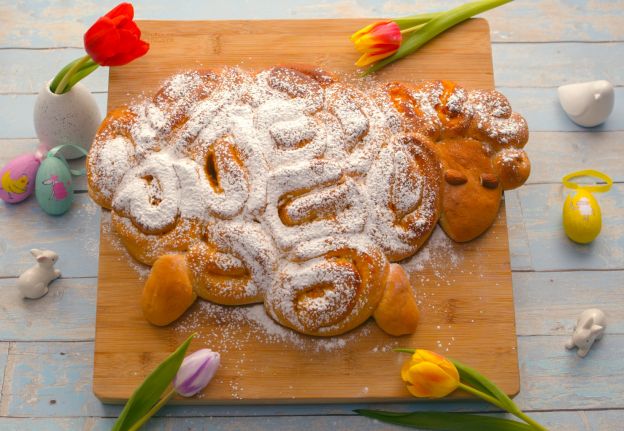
column 70, row 118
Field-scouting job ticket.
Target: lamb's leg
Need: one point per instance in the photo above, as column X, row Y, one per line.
column 582, row 352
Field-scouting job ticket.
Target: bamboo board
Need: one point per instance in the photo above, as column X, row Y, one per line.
column 465, row 290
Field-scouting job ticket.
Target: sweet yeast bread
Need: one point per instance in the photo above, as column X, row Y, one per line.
column 296, row 188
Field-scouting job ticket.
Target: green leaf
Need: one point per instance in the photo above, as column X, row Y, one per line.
column 446, row 421
column 471, row 381
column 151, row 389
column 479, row 381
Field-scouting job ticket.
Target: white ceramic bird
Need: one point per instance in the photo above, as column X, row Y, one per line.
column 588, row 104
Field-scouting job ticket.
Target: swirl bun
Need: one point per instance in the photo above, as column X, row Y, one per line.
column 329, row 294
column 232, row 263
column 404, row 186
column 149, row 195
column 312, row 199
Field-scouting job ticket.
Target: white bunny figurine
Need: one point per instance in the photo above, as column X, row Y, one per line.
column 33, row 283
column 590, row 327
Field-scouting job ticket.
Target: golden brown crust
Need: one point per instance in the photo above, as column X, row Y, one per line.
column 168, row 292
column 147, row 248
column 513, row 167
column 397, row 312
column 219, row 276
column 468, row 208
column 407, row 100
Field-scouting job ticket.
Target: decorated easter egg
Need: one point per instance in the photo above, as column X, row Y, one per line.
column 582, row 219
column 54, row 189
column 17, row 178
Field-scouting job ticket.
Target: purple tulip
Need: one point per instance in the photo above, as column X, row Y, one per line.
column 196, row 372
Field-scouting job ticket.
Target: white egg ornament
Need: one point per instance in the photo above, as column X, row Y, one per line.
column 54, row 188
column 588, row 104
column 582, row 217
column 17, row 178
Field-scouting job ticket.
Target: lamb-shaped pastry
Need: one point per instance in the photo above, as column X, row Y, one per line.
column 33, row 283
column 291, row 187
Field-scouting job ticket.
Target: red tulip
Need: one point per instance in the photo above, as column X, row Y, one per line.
column 115, row 39
column 376, row 41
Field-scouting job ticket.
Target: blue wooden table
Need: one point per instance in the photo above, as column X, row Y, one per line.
column 46, row 346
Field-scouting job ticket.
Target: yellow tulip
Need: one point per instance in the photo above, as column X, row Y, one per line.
column 429, row 375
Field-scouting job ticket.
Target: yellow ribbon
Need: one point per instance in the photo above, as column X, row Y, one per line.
column 599, row 188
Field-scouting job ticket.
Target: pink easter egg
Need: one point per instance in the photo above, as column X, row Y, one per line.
column 17, row 178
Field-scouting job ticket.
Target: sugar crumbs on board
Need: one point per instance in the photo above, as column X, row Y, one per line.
column 232, row 329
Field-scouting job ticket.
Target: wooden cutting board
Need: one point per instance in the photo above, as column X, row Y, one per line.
column 464, row 290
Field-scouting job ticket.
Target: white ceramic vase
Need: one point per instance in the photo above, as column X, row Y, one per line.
column 70, row 118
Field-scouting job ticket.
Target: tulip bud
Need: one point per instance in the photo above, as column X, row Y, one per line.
column 429, row 375
column 377, row 41
column 196, row 371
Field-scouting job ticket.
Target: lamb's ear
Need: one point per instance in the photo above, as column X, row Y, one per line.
column 36, row 252
column 43, row 258
column 589, row 323
column 595, row 329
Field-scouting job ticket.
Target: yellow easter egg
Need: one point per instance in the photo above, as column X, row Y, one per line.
column 582, row 219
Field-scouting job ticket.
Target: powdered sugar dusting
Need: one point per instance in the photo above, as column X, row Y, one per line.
column 440, row 254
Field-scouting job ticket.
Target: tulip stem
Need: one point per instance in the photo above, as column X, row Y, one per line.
column 481, row 395
column 165, row 398
column 60, row 75
column 435, row 26
column 514, row 410
column 411, row 20
column 72, row 70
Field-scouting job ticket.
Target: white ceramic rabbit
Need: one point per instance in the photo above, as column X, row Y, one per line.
column 590, row 327
column 33, row 283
